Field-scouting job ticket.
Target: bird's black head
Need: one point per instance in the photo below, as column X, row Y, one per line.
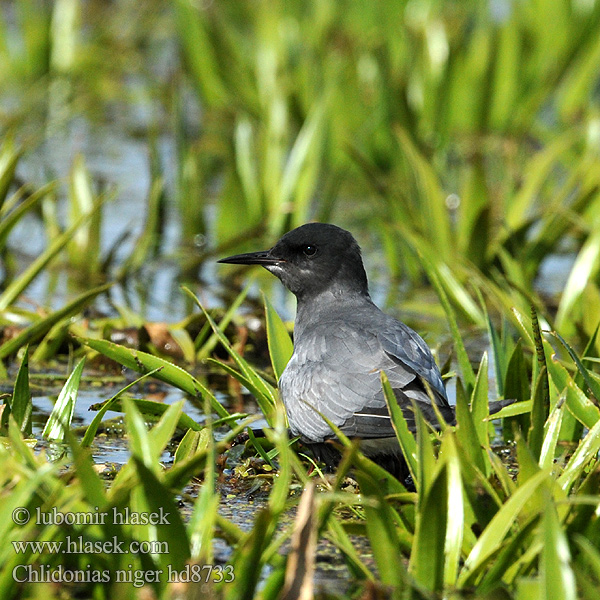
column 312, row 259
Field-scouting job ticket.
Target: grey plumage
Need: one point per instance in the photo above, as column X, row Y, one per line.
column 339, row 354
column 342, row 342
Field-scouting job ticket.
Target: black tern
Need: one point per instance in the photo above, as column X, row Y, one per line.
column 342, row 341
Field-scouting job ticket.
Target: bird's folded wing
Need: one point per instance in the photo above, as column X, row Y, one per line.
column 341, row 380
column 407, row 347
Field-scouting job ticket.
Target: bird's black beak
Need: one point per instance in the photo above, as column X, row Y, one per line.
column 253, row 258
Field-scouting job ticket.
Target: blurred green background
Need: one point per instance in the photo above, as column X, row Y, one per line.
column 458, row 140
column 460, row 137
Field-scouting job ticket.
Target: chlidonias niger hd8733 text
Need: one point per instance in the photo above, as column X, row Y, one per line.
column 342, row 342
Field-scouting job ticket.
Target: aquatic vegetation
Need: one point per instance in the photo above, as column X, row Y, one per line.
column 462, row 136
column 475, row 522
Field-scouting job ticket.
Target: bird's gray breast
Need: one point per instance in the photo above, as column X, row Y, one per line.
column 335, row 370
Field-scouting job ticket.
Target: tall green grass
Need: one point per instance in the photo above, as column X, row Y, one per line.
column 465, row 136
column 464, row 133
column 461, row 132
column 476, row 525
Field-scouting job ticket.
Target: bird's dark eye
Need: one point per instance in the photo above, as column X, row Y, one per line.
column 309, row 250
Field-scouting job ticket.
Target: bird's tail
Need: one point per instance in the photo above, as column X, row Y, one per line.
column 498, row 405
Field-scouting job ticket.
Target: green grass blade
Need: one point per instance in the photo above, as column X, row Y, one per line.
column 298, row 179
column 558, row 579
column 586, row 452
column 233, row 372
column 539, row 414
column 501, row 472
column 201, row 56
column 83, row 247
column 581, row 406
column 405, row 438
column 161, row 434
column 588, row 556
column 248, row 558
column 548, row 450
column 500, row 355
column 541, row 395
column 192, row 442
column 516, row 385
column 482, row 496
column 427, row 559
column 493, row 535
column 153, row 411
column 169, row 373
column 21, row 404
column 480, row 403
column 179, row 475
column 455, row 508
column 584, row 268
column 468, row 436
column 259, row 449
column 513, row 410
column 434, row 209
column 281, row 486
column 92, row 486
column 584, row 410
column 528, row 463
column 538, row 170
column 14, row 290
column 206, row 347
column 148, row 239
column 8, row 222
column 592, row 384
column 266, row 395
column 138, row 436
column 426, row 457
column 51, row 343
column 169, row 529
column 459, row 346
column 184, row 341
column 9, row 157
column 341, row 540
column 382, row 533
column 38, row 329
column 496, row 575
column 202, row 524
column 278, row 338
column 91, row 429
column 590, row 351
column 246, row 168
column 523, row 326
column 60, row 418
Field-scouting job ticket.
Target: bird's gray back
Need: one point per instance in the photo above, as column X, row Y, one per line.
column 335, row 370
